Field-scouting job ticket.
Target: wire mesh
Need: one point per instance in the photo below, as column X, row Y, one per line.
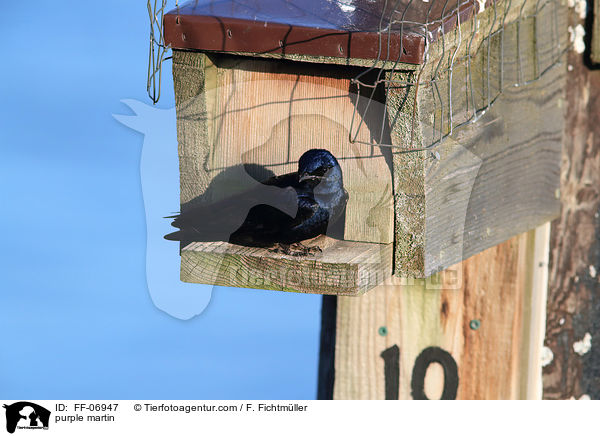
column 158, row 51
column 474, row 51
column 468, row 63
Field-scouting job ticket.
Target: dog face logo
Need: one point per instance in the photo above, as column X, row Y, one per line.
column 26, row 415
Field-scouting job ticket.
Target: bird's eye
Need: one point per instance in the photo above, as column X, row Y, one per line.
column 321, row 171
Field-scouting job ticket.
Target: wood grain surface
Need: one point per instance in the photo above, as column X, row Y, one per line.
column 490, row 179
column 342, row 268
column 573, row 356
column 485, row 313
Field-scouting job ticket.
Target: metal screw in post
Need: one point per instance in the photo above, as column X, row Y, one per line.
column 383, row 331
column 474, row 324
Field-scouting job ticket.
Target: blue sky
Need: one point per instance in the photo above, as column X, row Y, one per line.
column 75, row 311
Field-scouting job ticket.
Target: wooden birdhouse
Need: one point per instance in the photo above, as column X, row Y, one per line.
column 445, row 118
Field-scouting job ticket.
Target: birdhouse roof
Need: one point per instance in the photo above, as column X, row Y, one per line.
column 392, row 30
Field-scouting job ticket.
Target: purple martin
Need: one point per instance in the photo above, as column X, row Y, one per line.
column 282, row 210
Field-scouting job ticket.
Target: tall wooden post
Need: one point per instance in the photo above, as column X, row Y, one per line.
column 474, row 331
column 572, row 363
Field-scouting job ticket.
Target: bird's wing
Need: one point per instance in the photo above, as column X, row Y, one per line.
column 266, row 225
column 310, row 221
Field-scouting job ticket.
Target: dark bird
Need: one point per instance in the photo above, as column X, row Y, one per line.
column 282, row 210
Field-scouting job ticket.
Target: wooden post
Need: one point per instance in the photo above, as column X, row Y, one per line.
column 472, row 332
column 572, row 357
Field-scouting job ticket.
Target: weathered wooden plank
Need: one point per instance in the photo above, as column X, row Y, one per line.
column 342, row 268
column 485, row 315
column 573, row 319
column 409, row 175
column 491, row 179
column 192, row 75
column 507, row 193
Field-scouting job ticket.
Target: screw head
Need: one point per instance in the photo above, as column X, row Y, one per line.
column 474, row 324
column 383, row 331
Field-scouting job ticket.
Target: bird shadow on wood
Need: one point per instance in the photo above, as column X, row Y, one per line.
column 225, row 205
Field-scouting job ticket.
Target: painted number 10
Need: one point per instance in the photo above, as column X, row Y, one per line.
column 391, row 359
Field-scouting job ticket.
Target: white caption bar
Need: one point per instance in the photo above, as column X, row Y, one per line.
column 24, row 417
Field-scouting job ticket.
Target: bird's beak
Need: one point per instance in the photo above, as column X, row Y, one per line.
column 307, row 176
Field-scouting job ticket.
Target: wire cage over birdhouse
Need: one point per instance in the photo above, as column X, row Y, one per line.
column 444, row 115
